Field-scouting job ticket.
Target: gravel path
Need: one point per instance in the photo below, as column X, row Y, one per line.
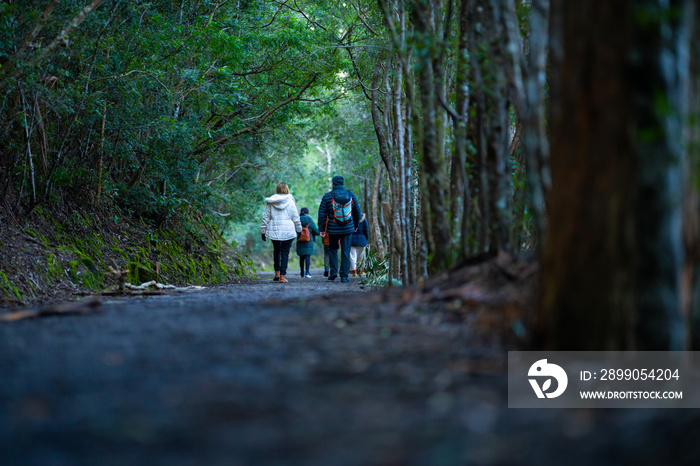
column 308, row 373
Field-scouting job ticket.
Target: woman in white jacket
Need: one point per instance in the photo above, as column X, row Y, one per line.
column 281, row 224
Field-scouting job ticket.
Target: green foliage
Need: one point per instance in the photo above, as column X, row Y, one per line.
column 523, row 11
column 191, row 96
column 54, row 271
column 376, row 269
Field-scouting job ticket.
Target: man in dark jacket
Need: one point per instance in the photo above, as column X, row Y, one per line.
column 342, row 210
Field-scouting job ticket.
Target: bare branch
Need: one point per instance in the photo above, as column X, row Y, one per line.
column 365, row 90
column 216, row 8
column 61, row 38
column 39, row 26
column 255, row 128
column 296, row 9
column 274, row 17
column 279, row 105
column 338, row 97
column 147, row 73
column 359, row 15
column 453, row 113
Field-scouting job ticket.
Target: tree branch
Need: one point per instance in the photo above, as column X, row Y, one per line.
column 453, row 113
column 39, row 26
column 268, row 113
column 255, row 128
column 216, row 8
column 120, row 76
column 359, row 15
column 61, row 38
column 299, row 10
column 274, row 17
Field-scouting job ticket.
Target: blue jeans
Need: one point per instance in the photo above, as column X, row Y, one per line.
column 345, row 241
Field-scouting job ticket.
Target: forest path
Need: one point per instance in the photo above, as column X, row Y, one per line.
column 261, row 373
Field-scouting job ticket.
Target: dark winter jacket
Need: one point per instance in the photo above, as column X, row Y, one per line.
column 307, row 248
column 361, row 236
column 326, row 211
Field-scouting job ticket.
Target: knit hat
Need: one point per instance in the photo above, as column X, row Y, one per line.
column 338, row 180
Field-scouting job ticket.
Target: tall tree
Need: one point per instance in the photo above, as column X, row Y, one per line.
column 613, row 252
column 427, row 16
column 527, row 75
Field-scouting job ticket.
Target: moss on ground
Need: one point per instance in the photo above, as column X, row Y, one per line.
column 78, row 249
column 8, row 289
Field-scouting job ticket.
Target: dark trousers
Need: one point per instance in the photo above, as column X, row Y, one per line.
column 326, row 257
column 280, row 255
column 304, row 261
column 345, row 241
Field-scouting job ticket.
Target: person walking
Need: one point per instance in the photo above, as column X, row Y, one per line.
column 305, row 247
column 281, row 224
column 340, row 208
column 360, row 239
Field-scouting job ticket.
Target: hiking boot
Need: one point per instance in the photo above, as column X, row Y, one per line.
column 332, row 277
column 353, row 273
column 344, row 279
column 277, row 277
column 282, row 279
column 325, row 273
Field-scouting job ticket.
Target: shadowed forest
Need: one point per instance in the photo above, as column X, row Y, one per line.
column 539, row 158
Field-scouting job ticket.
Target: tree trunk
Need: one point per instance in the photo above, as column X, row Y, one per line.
column 612, row 257
column 401, row 181
column 100, row 160
column 481, row 190
column 460, row 129
column 496, row 130
column 436, row 228
column 410, row 227
column 527, row 75
column 378, row 241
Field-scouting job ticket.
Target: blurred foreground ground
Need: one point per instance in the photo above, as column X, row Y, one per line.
column 308, row 373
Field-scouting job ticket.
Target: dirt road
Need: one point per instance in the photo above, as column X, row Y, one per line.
column 308, row 373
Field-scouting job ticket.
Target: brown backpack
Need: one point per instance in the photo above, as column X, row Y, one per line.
column 305, row 236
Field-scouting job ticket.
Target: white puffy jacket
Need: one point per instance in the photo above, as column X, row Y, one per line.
column 281, row 219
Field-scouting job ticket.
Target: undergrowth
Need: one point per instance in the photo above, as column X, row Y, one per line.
column 71, row 250
column 377, row 269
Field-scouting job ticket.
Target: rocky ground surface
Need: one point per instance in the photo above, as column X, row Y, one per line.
column 308, row 373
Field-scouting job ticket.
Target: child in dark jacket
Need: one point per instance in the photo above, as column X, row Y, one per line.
column 305, row 249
